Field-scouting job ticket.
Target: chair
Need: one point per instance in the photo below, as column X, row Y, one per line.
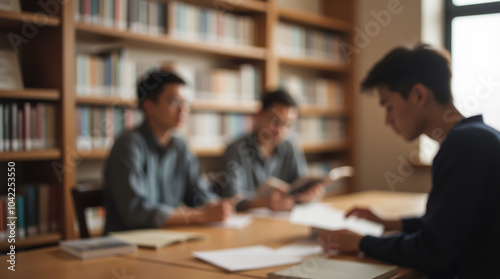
column 85, row 196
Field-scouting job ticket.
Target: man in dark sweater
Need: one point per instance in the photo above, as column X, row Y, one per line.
column 459, row 235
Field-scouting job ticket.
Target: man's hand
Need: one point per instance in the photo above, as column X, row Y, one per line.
column 342, row 240
column 280, row 201
column 315, row 192
column 371, row 215
column 217, row 212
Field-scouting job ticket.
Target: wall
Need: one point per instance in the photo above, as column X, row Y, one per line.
column 382, row 156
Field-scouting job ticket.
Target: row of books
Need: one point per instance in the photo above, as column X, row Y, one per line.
column 221, row 85
column 35, row 209
column 144, row 16
column 297, row 41
column 27, row 126
column 190, row 22
column 313, row 130
column 314, row 92
column 97, row 127
column 107, row 74
column 215, row 130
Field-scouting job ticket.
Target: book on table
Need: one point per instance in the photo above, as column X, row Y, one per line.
column 97, row 247
column 156, row 238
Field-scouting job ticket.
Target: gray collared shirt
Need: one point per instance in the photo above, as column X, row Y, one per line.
column 144, row 182
column 244, row 169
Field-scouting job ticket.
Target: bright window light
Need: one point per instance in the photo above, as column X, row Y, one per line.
column 471, row 2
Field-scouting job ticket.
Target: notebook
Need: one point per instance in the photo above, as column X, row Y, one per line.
column 154, row 238
column 318, row 268
column 96, row 247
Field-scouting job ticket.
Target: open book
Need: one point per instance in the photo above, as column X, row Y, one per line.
column 153, row 238
column 334, row 269
column 303, row 183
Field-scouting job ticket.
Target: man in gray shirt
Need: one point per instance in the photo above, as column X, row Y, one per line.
column 250, row 162
column 150, row 172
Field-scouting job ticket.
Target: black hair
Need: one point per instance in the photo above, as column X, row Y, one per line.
column 403, row 67
column 153, row 83
column 279, row 96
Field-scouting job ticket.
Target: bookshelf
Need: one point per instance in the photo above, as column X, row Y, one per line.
column 60, row 34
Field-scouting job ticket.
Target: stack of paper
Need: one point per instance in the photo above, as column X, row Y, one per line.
column 322, row 216
column 151, row 238
column 303, row 248
column 246, row 258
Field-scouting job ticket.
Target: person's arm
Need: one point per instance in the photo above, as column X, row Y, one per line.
column 453, row 212
column 127, row 188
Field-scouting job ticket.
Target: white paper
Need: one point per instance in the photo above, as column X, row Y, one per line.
column 328, row 218
column 246, row 258
column 267, row 213
column 234, row 222
column 302, row 248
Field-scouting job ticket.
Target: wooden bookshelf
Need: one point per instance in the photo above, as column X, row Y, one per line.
column 49, row 238
column 14, row 20
column 314, row 20
column 31, row 94
column 325, row 147
column 106, row 101
column 35, row 155
column 164, row 42
column 315, row 64
column 247, row 107
column 49, row 71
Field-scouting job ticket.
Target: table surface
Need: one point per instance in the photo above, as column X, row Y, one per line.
column 178, row 260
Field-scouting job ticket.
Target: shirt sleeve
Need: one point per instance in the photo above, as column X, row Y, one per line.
column 453, row 211
column 198, row 192
column 297, row 164
column 231, row 177
column 411, row 225
column 126, row 184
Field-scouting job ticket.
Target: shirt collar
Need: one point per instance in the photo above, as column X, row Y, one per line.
column 152, row 140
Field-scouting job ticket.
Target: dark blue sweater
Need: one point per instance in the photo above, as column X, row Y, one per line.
column 459, row 235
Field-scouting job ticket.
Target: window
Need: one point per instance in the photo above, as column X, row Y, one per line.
column 473, row 38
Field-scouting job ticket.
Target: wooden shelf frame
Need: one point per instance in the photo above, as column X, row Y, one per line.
column 9, row 19
column 32, row 155
column 106, row 101
column 314, row 64
column 43, row 239
column 314, row 20
column 232, row 6
column 323, row 111
column 31, row 94
column 165, row 41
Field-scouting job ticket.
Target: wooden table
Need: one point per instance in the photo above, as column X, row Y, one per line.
column 176, row 261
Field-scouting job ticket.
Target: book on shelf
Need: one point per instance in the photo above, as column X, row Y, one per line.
column 215, row 130
column 10, row 5
column 155, row 238
column 143, row 16
column 97, row 127
column 334, row 269
column 317, row 130
column 36, row 210
column 229, row 85
column 27, row 127
column 10, row 69
column 96, row 247
column 316, row 92
column 304, row 42
column 106, row 74
column 193, row 23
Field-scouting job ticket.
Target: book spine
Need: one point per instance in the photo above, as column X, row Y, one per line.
column 20, row 214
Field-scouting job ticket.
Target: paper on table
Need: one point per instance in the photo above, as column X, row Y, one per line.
column 234, row 222
column 155, row 238
column 267, row 213
column 325, row 217
column 246, row 258
column 302, row 248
